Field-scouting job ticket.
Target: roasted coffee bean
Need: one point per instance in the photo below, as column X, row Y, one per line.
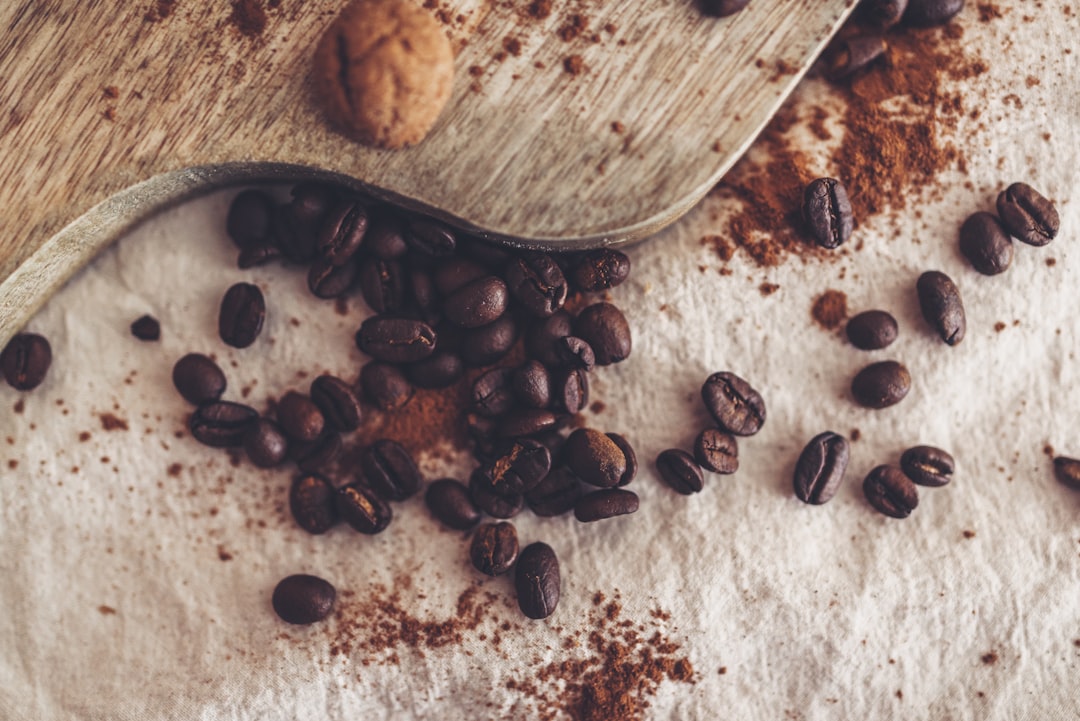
column 439, row 370
column 594, row 458
column 557, row 494
column 630, row 456
column 427, row 238
column 490, row 502
column 25, row 360
column 265, row 443
column 575, row 353
column 733, row 403
column 820, row 468
column 883, row 13
column 221, row 424
column 299, row 417
column 527, row 422
column 326, row 280
column 382, row 283
column 571, row 392
column 342, row 231
column 249, row 218
column 242, row 312
column 928, row 466
column 847, row 56
column 257, row 255
column 1027, row 215
column 872, row 329
column 891, row 492
column 303, row 599
column 146, row 328
column 316, row 455
column 880, row 385
column 517, row 467
column 723, row 8
column 448, row 500
column 488, row 344
column 536, row 580
column 338, row 402
column 494, row 548
column 312, row 503
column 477, row 303
column 985, row 244
column 385, row 386
column 383, row 238
column 482, row 432
column 362, row 509
column 600, row 269
column 198, row 378
column 925, row 13
column 680, row 471
column 532, row 385
column 1067, row 471
column 456, row 273
column 492, row 392
column 396, row 340
column 542, row 340
column 390, row 470
column 554, row 442
column 939, row 300
column 311, row 203
column 537, row 282
column 827, row 212
column 491, row 255
column 424, row 295
column 607, row 503
column 716, row 451
column 604, row 328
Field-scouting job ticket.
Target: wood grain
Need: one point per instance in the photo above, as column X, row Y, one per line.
column 116, row 109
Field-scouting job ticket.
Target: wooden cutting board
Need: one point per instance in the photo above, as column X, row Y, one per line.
column 116, row 109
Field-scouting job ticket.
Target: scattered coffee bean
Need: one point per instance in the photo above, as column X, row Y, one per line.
column 536, row 579
column 491, row 503
column 680, row 471
column 572, row 390
column 438, row 370
column 1027, row 215
column 723, row 8
column 883, row 13
column 457, row 273
column 985, row 244
column 362, row 509
column 492, row 392
column 25, row 360
column 600, row 269
column 532, row 385
column 604, row 328
column 820, row 468
column 847, row 56
column 542, row 340
column 342, row 231
column 429, row 238
column 477, row 303
column 316, row 455
column 312, row 503
column 383, row 238
column 249, row 218
column 516, row 467
column 557, row 494
column 296, row 229
column 607, row 503
column 494, row 548
column 538, row 283
column 576, row 353
column 424, row 295
column 338, row 403
column 939, row 300
column 448, row 500
column 382, row 283
column 257, row 255
column 146, row 328
column 396, row 340
column 303, row 599
column 488, row 344
column 527, row 422
column 299, row 417
column 390, row 470
column 880, row 385
column 594, row 458
column 827, row 212
column 891, row 492
column 221, row 424
column 629, row 455
column 872, row 330
column 326, row 280
column 385, row 386
column 265, row 443
column 242, row 312
column 925, row 13
column 1067, row 471
column 928, row 466
column 734, row 404
column 716, row 451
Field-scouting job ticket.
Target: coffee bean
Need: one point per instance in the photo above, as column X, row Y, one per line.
column 536, row 580
column 891, row 492
column 872, row 330
column 847, row 56
column 723, row 8
column 385, row 386
column 296, row 226
column 607, row 503
column 492, row 392
column 439, row 370
column 557, row 494
column 326, row 280
column 680, row 471
column 491, row 255
column 338, row 403
column 517, row 467
column 312, row 503
column 477, row 303
column 257, row 255
column 342, row 231
column 532, row 385
column 716, row 451
column 448, row 500
column 827, row 212
column 928, row 466
column 494, row 548
column 396, row 340
column 221, row 424
column 629, row 455
column 1027, row 215
column 303, row 599
column 249, row 218
column 146, row 328
column 265, row 443
column 939, row 300
column 527, row 422
column 554, row 441
column 488, row 344
column 820, row 468
column 604, row 328
column 25, row 360
column 925, row 13
column 880, row 385
column 382, row 283
column 242, row 312
column 299, row 417
column 1067, row 471
column 390, row 470
column 985, row 244
column 362, row 509
column 456, row 273
column 883, row 13
column 424, row 295
column 537, row 282
column 733, row 403
column 428, row 238
column 491, row 503
column 383, row 239
column 600, row 269
column 571, row 393
column 594, row 458
column 543, row 337
column 575, row 353
column 316, row 455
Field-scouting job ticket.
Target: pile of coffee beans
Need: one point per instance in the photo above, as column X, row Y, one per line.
column 25, row 360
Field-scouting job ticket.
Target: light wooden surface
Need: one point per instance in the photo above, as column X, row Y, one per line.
column 115, row 109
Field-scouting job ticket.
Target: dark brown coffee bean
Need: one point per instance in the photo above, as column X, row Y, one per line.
column 733, row 403
column 249, row 218
column 543, row 337
column 820, row 468
column 491, row 255
column 265, row 444
column 600, row 269
column 242, row 312
column 312, row 503
column 317, row 455
column 383, row 238
column 847, row 56
column 424, row 296
column 449, row 501
column 536, row 579
column 532, row 385
column 716, row 451
column 342, row 231
column 537, row 282
column 362, row 509
column 939, row 300
column 723, row 8
column 925, row 13
column 326, row 280
column 221, row 424
column 25, row 360
column 604, row 328
column 517, row 467
column 303, row 599
column 337, row 401
column 891, row 492
column 880, row 385
column 872, row 329
column 439, row 370
column 296, row 226
column 492, row 393
column 629, row 455
column 198, row 378
column 1027, row 215
column 456, row 273
column 1067, row 471
column 527, row 422
column 928, row 466
column 594, row 458
column 557, row 494
column 680, row 471
column 490, row 502
column 488, row 344
column 494, row 548
column 575, row 353
column 571, row 393
column 607, row 503
column 985, row 244
column 827, row 212
column 477, row 303
column 382, row 283
column 390, row 470
column 299, row 417
column 385, row 386
column 396, row 340
column 883, row 13
column 257, row 255
column 146, row 328
column 428, row 238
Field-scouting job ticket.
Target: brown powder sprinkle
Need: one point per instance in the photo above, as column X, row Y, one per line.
column 969, row 534
column 112, row 423
column 111, row 92
column 574, row 64
column 830, row 309
column 249, row 17
column 767, row 289
column 990, row 658
column 539, row 9
column 159, row 10
column 106, row 610
column 20, row 406
column 512, row 45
